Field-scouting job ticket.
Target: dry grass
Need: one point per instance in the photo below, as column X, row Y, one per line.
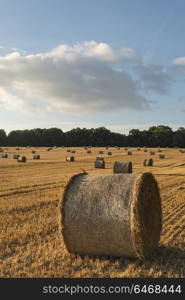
column 31, row 243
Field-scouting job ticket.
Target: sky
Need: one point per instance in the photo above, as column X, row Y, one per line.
column 113, row 63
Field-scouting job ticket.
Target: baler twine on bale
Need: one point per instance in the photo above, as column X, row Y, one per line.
column 114, row 215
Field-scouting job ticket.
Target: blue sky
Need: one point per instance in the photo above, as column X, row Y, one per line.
column 68, row 63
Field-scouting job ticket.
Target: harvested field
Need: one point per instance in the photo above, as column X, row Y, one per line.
column 31, row 241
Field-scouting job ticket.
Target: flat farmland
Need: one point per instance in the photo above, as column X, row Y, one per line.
column 31, row 242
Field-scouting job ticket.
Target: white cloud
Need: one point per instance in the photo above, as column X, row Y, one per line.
column 83, row 78
column 14, row 103
column 179, row 61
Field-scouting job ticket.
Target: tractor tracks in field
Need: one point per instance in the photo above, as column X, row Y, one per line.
column 27, row 209
column 31, row 189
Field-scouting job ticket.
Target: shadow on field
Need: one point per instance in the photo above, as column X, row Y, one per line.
column 169, row 174
column 164, row 262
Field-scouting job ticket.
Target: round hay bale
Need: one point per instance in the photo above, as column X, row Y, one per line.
column 70, row 158
column 1, row 150
column 15, row 156
column 109, row 153
column 159, row 150
column 100, row 152
column 122, row 167
column 99, row 158
column 114, row 215
column 138, row 149
column 36, row 156
column 88, row 151
column 152, row 153
column 145, row 150
column 5, row 155
column 161, row 156
column 182, row 151
column 73, row 151
column 68, row 150
column 148, row 162
column 129, row 153
column 17, row 149
column 22, row 159
column 125, row 148
column 33, row 151
column 99, row 163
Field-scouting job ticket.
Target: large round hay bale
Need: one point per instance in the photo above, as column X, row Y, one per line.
column 88, row 151
column 161, row 156
column 70, row 158
column 21, row 159
column 125, row 148
column 17, row 148
column 109, row 153
column 99, row 163
column 5, row 155
column 114, row 215
column 148, row 162
column 129, row 153
column 122, row 167
column 100, row 152
column 145, row 150
column 68, row 150
column 33, row 151
column 73, row 151
column 36, row 156
column 138, row 148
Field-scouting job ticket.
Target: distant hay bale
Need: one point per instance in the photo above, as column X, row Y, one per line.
column 70, row 158
column 159, row 150
column 161, row 156
column 152, row 153
column 182, row 151
column 85, row 148
column 1, row 150
column 33, row 151
column 73, row 151
column 88, row 151
column 68, row 150
column 5, row 155
column 109, row 153
column 36, row 156
column 148, row 162
column 145, row 150
column 129, row 153
column 107, row 148
column 122, row 167
column 17, row 149
column 138, row 148
column 100, row 152
column 15, row 156
column 22, row 159
column 112, row 215
column 99, row 163
column 125, row 148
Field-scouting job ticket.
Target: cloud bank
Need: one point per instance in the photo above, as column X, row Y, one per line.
column 85, row 78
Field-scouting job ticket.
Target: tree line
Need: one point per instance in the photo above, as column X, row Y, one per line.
column 161, row 135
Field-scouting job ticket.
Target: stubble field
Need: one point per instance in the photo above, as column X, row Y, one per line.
column 31, row 242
